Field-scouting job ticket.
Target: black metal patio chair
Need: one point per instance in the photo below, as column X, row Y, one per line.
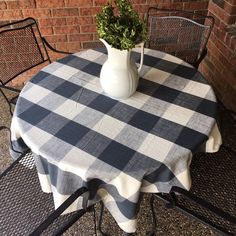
column 183, row 34
column 22, row 47
column 212, row 197
column 25, row 209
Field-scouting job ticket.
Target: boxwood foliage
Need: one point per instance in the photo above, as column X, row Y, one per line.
column 122, row 30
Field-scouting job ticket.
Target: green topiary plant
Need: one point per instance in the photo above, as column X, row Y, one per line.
column 123, row 30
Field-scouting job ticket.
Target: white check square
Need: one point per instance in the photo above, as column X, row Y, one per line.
column 178, row 114
column 52, row 67
column 124, row 189
column 90, row 55
column 155, row 147
column 137, row 100
column 35, row 138
column 35, row 94
column 69, row 109
column 157, row 76
column 197, row 89
column 109, row 126
column 77, row 162
column 171, row 58
column 65, row 72
column 94, row 85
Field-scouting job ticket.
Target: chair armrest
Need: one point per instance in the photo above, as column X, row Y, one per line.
column 202, row 202
column 202, row 56
column 54, row 215
column 52, row 48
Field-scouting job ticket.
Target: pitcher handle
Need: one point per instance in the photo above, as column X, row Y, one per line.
column 141, row 45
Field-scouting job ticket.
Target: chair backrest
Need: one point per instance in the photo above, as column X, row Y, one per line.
column 181, row 33
column 21, row 48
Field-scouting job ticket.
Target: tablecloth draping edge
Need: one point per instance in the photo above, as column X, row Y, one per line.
column 214, row 140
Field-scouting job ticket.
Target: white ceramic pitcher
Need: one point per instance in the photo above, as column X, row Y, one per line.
column 119, row 74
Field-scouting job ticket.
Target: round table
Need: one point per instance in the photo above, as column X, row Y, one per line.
column 117, row 149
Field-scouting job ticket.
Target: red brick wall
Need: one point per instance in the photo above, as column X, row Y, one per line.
column 70, row 25
column 219, row 66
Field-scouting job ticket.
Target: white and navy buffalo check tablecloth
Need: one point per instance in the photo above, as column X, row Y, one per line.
column 117, row 149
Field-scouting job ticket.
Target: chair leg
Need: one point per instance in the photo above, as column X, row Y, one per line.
column 154, row 222
column 94, row 219
column 100, row 220
column 172, row 202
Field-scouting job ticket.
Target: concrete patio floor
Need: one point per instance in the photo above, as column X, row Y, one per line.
column 169, row 221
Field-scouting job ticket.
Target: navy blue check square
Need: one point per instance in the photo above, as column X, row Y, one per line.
column 39, row 114
column 102, row 103
column 39, row 77
column 53, row 123
column 75, row 62
column 26, row 104
column 166, row 94
column 67, row 60
column 122, row 112
column 188, row 101
column 67, row 89
column 150, row 61
column 185, row 72
column 72, row 133
column 84, row 96
column 166, row 66
column 163, row 174
column 50, row 82
column 167, row 130
column 143, row 120
column 147, row 87
column 94, row 143
column 117, row 155
column 93, row 69
column 207, row 107
column 190, row 139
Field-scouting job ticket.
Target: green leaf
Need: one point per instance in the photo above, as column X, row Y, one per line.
column 123, row 30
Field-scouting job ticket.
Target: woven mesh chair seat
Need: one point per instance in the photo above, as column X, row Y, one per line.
column 213, row 180
column 23, row 204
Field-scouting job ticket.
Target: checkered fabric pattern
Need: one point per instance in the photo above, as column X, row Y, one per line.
column 117, row 149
